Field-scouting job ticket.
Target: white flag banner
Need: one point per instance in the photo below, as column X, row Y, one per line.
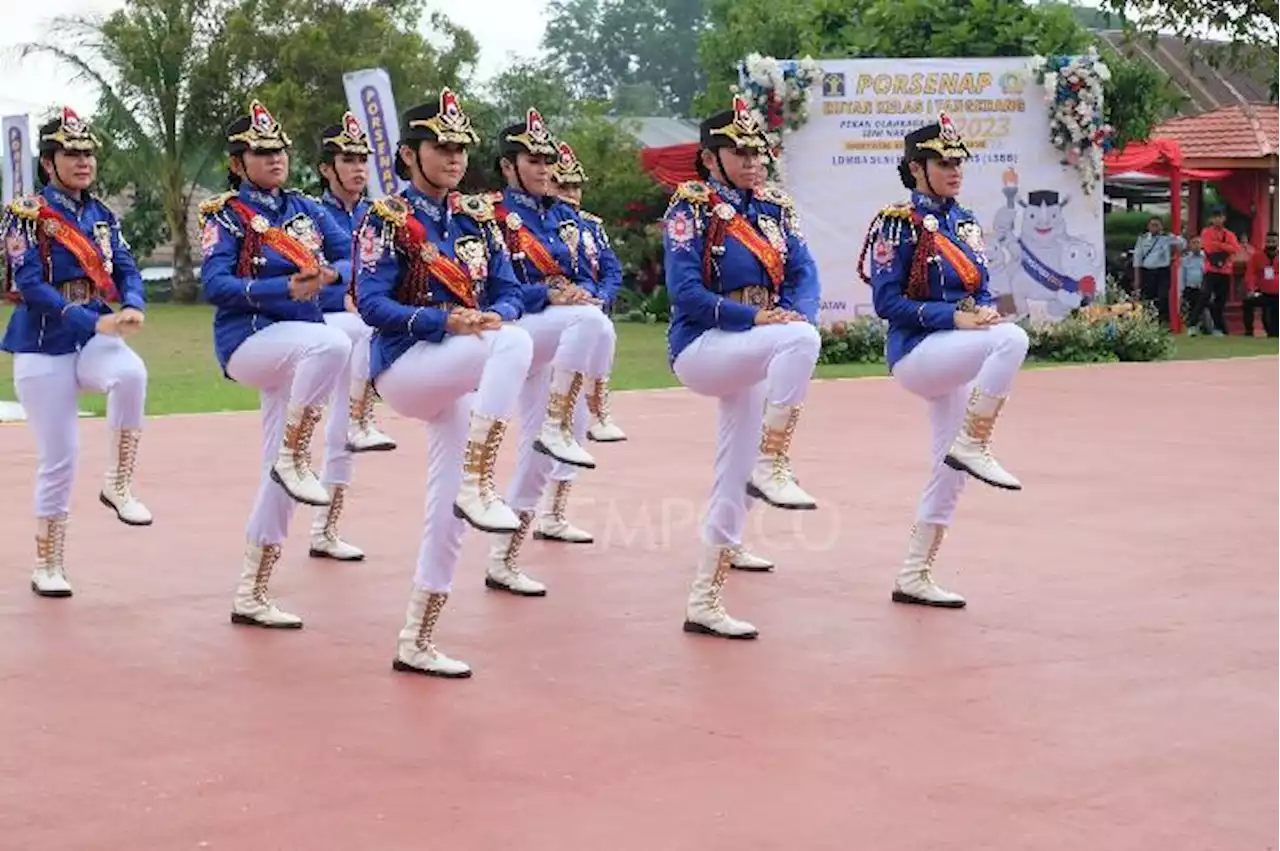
column 18, row 178
column 370, row 98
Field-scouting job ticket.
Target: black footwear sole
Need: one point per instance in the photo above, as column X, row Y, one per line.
column 699, row 629
column 768, row 569
column 543, row 536
column 598, row 440
column 355, row 451
column 957, row 465
column 899, row 597
column 493, row 530
column 397, row 665
column 539, row 446
column 102, row 498
column 756, row 493
column 314, row 553
column 275, row 477
column 494, row 585
column 244, row 620
column 50, row 594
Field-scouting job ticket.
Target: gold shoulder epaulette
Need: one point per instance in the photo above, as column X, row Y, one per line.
column 26, row 206
column 393, row 208
column 216, row 203
column 897, row 211
column 693, row 191
column 479, row 207
column 591, row 217
column 775, row 195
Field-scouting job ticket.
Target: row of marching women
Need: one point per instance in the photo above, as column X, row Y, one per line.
column 474, row 312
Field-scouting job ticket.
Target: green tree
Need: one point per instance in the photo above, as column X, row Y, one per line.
column 605, row 48
column 912, row 28
column 162, row 80
column 1246, row 31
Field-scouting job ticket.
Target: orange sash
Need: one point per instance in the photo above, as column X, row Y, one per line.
column 274, row 238
column 419, row 249
column 522, row 241
column 968, row 271
column 763, row 250
column 87, row 254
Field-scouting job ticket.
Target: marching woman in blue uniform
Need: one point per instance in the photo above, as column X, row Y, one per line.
column 344, row 168
column 268, row 254
column 592, row 416
column 433, row 277
column 744, row 299
column 67, row 259
column 573, row 340
column 946, row 344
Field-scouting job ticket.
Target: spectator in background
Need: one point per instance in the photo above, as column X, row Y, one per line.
column 1260, row 280
column 1191, row 294
column 1220, row 248
column 1152, row 259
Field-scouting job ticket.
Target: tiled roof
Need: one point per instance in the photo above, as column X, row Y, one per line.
column 1188, row 68
column 1235, row 132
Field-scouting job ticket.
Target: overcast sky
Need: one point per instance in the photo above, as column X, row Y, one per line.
column 502, row 27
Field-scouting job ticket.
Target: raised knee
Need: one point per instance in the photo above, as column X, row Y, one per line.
column 1014, row 338
column 516, row 342
column 333, row 343
column 807, row 338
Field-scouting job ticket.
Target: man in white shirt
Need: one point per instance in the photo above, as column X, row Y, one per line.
column 1152, row 259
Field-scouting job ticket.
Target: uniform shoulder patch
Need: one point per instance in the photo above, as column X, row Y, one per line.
column 26, row 206
column 481, row 207
column 392, row 208
column 897, row 211
column 216, row 203
column 693, row 191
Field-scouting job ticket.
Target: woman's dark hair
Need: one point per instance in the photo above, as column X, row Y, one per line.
column 904, row 173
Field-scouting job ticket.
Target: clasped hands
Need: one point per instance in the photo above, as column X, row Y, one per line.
column 304, row 285
column 126, row 323
column 982, row 317
column 570, row 293
column 466, row 320
column 778, row 316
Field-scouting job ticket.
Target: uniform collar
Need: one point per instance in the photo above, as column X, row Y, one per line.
column 922, row 201
column 736, row 197
column 434, row 210
column 533, row 202
column 61, row 199
column 273, row 201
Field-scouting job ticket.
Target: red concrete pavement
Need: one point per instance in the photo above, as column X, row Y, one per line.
column 1112, row 685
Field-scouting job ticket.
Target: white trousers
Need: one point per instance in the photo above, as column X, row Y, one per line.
column 351, row 381
column 769, row 364
column 441, row 384
column 290, row 363
column 600, row 367
column 566, row 338
column 943, row 369
column 49, row 386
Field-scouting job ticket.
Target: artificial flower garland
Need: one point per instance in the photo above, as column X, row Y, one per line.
column 778, row 92
column 1073, row 89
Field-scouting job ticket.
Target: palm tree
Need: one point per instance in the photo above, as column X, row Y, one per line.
column 163, row 85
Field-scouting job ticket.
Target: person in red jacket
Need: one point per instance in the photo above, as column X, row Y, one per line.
column 1220, row 248
column 1262, row 274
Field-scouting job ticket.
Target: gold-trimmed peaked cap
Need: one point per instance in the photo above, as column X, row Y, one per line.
column 256, row 131
column 940, row 140
column 733, row 128
column 568, row 169
column 66, row 132
column 530, row 136
column 441, row 121
column 345, row 138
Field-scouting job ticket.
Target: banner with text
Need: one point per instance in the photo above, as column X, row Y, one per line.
column 1043, row 234
column 370, row 98
column 18, row 177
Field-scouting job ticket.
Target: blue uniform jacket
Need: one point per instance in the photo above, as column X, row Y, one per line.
column 463, row 228
column 605, row 268
column 555, row 225
column 698, row 305
column 246, row 305
column 333, row 298
column 45, row 321
column 894, row 246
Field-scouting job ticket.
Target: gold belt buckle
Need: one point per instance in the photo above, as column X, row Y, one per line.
column 756, row 296
column 79, row 291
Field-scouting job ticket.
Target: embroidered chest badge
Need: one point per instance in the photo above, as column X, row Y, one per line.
column 971, row 233
column 773, row 232
column 882, row 252
column 470, row 250
column 301, row 228
column 680, row 231
column 102, row 236
column 370, row 249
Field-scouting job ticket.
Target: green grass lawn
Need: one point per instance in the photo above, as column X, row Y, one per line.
column 185, row 377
